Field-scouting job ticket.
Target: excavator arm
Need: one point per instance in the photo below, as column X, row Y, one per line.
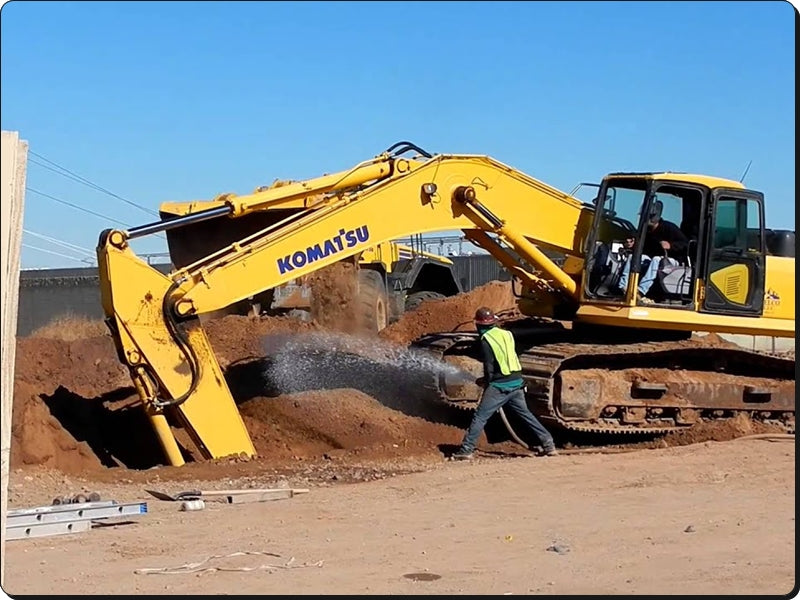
column 154, row 318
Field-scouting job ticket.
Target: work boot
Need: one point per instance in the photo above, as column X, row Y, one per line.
column 549, row 451
column 461, row 455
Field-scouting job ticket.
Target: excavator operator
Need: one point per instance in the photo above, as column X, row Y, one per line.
column 664, row 241
column 502, row 385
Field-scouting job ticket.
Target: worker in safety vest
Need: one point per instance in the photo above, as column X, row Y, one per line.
column 503, row 385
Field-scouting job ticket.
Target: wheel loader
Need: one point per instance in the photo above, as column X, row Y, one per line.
column 596, row 357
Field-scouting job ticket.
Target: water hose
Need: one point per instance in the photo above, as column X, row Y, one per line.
column 511, row 429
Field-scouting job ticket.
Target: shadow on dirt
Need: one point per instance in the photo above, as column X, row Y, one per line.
column 119, row 436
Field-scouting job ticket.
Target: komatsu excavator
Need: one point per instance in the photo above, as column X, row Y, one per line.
column 595, row 357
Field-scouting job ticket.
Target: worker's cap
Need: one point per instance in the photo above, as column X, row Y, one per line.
column 485, row 316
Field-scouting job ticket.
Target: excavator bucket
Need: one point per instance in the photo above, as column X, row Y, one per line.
column 192, row 242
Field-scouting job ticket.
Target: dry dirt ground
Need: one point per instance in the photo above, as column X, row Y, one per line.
column 709, row 518
column 710, row 511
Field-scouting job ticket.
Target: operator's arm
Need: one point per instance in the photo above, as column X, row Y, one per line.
column 488, row 363
column 678, row 242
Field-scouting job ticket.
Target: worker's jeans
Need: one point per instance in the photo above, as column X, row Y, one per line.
column 493, row 400
column 648, row 277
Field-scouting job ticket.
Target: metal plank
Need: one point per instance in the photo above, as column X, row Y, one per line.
column 19, row 532
column 86, row 511
column 263, row 496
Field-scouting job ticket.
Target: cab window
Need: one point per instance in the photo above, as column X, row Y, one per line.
column 738, row 224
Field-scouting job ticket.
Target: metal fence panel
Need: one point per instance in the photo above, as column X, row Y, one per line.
column 475, row 271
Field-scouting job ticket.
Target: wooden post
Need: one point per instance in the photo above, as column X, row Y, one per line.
column 14, row 157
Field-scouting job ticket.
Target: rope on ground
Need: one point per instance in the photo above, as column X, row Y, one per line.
column 197, row 567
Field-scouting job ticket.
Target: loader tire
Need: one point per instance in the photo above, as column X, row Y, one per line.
column 373, row 301
column 416, row 299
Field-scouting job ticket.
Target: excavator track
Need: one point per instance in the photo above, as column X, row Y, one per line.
column 630, row 386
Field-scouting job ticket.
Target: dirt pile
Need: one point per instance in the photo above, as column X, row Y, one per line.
column 50, row 375
column 75, row 408
column 235, row 337
column 450, row 314
column 718, row 431
column 331, row 422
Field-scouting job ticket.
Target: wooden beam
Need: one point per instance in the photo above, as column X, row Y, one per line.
column 14, row 157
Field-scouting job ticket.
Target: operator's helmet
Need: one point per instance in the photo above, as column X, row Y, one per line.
column 485, row 316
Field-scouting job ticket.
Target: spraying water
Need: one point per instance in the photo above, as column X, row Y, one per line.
column 394, row 374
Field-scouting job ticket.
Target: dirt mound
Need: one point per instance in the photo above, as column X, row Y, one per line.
column 236, row 337
column 58, row 385
column 713, row 340
column 450, row 314
column 327, row 422
column 75, row 408
column 715, row 431
column 38, row 438
column 70, row 327
column 75, row 405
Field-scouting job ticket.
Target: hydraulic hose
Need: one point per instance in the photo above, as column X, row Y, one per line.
column 182, row 340
column 403, row 147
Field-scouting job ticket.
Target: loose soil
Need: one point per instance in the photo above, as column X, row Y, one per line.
column 334, row 292
column 455, row 313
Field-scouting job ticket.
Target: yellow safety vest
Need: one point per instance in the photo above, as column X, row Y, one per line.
column 502, row 343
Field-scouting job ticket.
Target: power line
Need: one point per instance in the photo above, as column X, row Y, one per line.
column 82, row 260
column 86, row 210
column 75, row 177
column 57, row 241
column 76, row 207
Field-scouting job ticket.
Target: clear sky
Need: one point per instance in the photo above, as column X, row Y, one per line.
column 156, row 101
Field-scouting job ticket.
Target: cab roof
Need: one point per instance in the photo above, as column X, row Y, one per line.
column 706, row 180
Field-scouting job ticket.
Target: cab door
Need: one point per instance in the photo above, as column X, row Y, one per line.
column 735, row 256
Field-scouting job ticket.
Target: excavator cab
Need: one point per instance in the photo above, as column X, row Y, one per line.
column 719, row 265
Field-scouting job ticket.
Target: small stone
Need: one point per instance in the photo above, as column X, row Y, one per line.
column 689, row 529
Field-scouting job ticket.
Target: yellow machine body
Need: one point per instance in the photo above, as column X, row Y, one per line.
column 155, row 318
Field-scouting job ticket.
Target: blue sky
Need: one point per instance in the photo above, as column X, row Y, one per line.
column 157, row 101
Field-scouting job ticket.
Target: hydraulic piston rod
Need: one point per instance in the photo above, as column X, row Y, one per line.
column 158, row 226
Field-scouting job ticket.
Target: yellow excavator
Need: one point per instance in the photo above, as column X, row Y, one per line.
column 596, row 357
